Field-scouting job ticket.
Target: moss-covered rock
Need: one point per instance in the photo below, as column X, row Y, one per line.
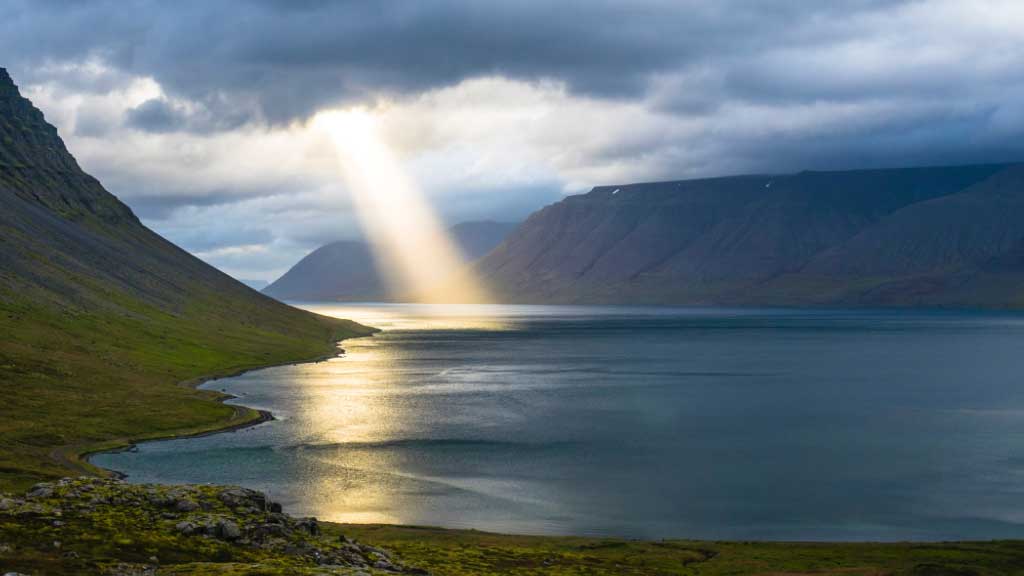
column 107, row 526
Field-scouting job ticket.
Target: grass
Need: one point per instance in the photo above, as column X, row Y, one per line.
column 89, row 527
column 468, row 552
column 75, row 382
column 98, row 527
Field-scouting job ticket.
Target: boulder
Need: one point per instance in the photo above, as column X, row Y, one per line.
column 42, row 490
column 227, row 530
column 309, row 525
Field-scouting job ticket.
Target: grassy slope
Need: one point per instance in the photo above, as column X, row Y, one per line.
column 74, row 381
column 464, row 553
column 101, row 319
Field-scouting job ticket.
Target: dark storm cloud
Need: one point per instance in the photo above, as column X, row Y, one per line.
column 241, row 61
column 156, row 115
column 291, row 58
column 159, row 115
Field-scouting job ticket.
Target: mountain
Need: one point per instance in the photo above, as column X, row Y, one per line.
column 101, row 317
column 935, row 236
column 475, row 239
column 348, row 271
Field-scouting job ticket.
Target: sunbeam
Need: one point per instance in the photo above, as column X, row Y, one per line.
column 413, row 250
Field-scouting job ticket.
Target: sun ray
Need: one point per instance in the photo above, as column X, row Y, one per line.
column 413, row 249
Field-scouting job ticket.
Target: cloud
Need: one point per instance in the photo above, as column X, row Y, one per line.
column 162, row 115
column 196, row 113
column 156, row 115
column 293, row 58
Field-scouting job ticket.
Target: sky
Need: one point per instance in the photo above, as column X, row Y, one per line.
column 198, row 114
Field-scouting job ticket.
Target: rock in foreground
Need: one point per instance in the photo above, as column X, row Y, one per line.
column 104, row 526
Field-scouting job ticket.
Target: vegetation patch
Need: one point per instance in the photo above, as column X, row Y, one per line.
column 470, row 552
column 105, row 526
column 77, row 381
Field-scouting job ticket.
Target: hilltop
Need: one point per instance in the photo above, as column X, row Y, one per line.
column 102, row 318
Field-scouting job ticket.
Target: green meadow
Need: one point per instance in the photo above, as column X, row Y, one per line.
column 76, row 382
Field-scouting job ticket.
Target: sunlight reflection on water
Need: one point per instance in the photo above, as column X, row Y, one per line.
column 422, row 316
column 643, row 422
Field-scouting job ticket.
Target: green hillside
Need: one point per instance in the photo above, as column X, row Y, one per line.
column 102, row 320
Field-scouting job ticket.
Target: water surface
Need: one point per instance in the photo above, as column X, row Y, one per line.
column 639, row 422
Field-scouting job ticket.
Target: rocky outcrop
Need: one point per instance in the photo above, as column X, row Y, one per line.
column 109, row 526
column 35, row 164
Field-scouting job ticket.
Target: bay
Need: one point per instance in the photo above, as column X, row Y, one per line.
column 638, row 422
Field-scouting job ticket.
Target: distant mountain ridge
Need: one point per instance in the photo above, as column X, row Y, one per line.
column 347, row 270
column 933, row 236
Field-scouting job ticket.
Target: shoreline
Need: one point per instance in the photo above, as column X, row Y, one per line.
column 79, row 456
column 240, row 420
column 245, row 417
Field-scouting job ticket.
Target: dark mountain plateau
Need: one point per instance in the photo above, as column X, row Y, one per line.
column 934, row 236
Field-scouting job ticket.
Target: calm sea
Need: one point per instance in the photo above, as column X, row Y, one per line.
column 639, row 422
